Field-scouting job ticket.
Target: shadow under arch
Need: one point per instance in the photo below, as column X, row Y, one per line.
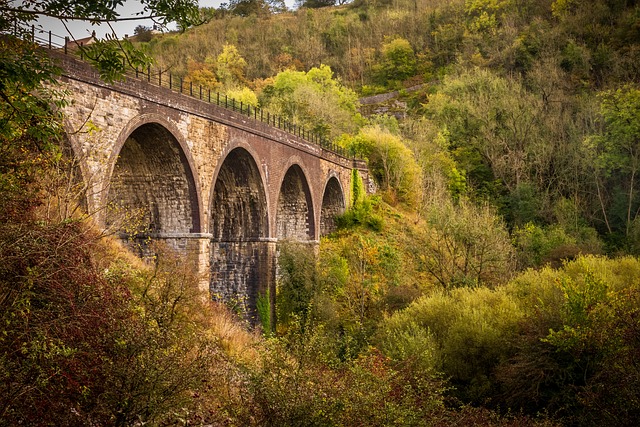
column 333, row 204
column 151, row 182
column 295, row 218
column 241, row 253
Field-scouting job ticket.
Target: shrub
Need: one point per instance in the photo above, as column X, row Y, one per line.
column 576, row 356
column 90, row 338
column 297, row 282
column 391, row 163
column 464, row 333
column 296, row 387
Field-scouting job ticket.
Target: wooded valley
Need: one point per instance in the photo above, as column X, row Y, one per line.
column 492, row 280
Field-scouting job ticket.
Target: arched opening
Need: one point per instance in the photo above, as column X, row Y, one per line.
column 240, row 264
column 295, row 213
column 239, row 204
column 332, row 206
column 152, row 189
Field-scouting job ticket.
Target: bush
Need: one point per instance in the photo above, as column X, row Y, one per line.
column 391, row 163
column 297, row 283
column 296, row 386
column 398, row 62
column 464, row 333
column 90, row 338
column 554, row 244
column 576, row 356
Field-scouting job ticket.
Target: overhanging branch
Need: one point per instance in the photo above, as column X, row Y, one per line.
column 37, row 13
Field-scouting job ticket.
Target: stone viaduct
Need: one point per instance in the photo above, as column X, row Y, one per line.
column 216, row 184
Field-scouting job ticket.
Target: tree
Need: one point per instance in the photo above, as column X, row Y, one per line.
column 143, row 33
column 616, row 151
column 110, row 56
column 202, row 74
column 315, row 99
column 391, row 163
column 249, row 7
column 465, row 245
column 230, row 66
column 398, row 61
column 314, row 4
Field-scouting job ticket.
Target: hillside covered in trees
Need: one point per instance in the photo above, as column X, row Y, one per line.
column 493, row 279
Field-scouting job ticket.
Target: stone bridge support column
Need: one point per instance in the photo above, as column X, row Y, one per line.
column 242, row 272
column 195, row 247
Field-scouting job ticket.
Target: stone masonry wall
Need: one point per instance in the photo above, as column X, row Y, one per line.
column 165, row 153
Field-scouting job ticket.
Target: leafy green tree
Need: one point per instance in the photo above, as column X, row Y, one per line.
column 398, row 62
column 297, row 284
column 249, row 7
column 465, row 245
column 29, row 129
column 314, row 99
column 485, row 14
column 244, row 95
column 314, row 4
column 230, row 66
column 143, row 33
column 616, row 154
column 391, row 163
column 110, row 56
column 515, row 146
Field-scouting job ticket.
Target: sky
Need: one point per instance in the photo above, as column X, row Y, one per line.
column 82, row 29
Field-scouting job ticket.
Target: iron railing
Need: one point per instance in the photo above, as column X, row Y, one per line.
column 165, row 79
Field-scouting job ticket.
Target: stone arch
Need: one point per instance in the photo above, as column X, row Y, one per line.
column 239, row 208
column 239, row 225
column 152, row 177
column 294, row 215
column 333, row 204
